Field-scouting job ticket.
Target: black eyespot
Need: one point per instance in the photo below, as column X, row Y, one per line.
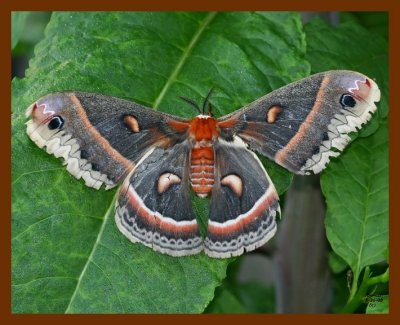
column 95, row 167
column 347, row 100
column 56, row 123
column 84, row 154
column 316, row 150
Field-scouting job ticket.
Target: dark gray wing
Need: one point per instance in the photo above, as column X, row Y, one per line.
column 299, row 125
column 154, row 205
column 101, row 138
column 244, row 202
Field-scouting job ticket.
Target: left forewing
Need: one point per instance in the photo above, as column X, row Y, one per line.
column 101, row 138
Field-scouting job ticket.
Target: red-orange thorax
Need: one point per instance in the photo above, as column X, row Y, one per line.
column 203, row 130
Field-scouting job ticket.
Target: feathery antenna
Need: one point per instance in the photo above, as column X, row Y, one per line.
column 206, row 103
column 192, row 103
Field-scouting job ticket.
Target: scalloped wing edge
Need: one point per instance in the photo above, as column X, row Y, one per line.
column 338, row 131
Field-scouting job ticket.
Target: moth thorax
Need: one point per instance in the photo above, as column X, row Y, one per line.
column 202, row 169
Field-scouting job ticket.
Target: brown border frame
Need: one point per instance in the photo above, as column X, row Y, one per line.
column 301, row 5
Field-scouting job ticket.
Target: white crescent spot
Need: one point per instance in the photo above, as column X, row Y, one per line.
column 234, row 182
column 166, row 180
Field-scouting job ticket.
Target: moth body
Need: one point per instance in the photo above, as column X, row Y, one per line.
column 203, row 132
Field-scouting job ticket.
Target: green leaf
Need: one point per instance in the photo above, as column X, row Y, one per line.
column 336, row 263
column 356, row 184
column 255, row 297
column 18, row 19
column 375, row 21
column 387, row 254
column 225, row 302
column 356, row 191
column 352, row 47
column 250, row 297
column 378, row 304
column 67, row 254
column 30, row 33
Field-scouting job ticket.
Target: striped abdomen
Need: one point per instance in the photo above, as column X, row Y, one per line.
column 202, row 170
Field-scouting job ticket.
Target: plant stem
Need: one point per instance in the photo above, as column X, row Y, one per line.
column 354, row 287
column 379, row 278
column 357, row 295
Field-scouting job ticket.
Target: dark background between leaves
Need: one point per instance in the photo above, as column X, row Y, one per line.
column 67, row 255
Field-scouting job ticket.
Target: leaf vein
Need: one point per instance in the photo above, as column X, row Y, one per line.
column 183, row 59
column 43, row 278
column 36, row 171
column 90, row 258
column 46, row 218
column 111, row 284
column 132, row 272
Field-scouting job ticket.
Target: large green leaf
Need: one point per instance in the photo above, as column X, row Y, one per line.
column 250, row 297
column 18, row 19
column 225, row 302
column 67, row 255
column 375, row 21
column 256, row 297
column 352, row 47
column 356, row 184
column 356, row 191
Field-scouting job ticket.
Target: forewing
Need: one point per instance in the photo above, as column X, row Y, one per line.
column 303, row 124
column 244, row 202
column 154, row 205
column 101, row 138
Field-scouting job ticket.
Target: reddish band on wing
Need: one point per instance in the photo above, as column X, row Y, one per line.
column 245, row 219
column 154, row 218
column 281, row 155
column 114, row 154
column 228, row 123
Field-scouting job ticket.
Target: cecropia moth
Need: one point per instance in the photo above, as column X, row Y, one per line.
column 159, row 159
